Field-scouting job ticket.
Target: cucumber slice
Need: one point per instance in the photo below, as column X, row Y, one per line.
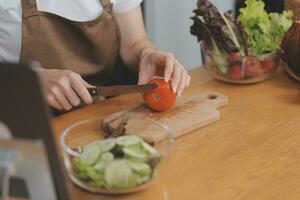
column 149, row 148
column 91, row 154
column 129, row 140
column 105, row 159
column 90, row 145
column 134, row 180
column 107, row 145
column 142, row 169
column 117, row 175
column 143, row 179
column 135, row 153
column 100, row 166
column 94, row 175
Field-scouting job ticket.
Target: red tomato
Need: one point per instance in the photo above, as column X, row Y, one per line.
column 252, row 67
column 235, row 72
column 234, row 58
column 268, row 65
column 161, row 98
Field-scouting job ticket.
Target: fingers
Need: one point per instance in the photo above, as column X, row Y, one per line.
column 180, row 78
column 176, row 76
column 182, row 83
column 188, row 80
column 67, row 90
column 169, row 66
column 86, row 84
column 80, row 87
column 53, row 102
column 61, row 98
column 172, row 70
column 143, row 78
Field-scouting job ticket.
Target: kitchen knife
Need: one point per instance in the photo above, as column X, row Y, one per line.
column 109, row 91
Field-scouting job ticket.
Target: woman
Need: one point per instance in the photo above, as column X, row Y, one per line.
column 76, row 40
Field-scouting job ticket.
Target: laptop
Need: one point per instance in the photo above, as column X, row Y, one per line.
column 29, row 163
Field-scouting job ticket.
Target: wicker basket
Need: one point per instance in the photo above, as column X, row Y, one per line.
column 293, row 5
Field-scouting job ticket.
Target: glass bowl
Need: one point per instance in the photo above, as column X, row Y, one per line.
column 84, row 133
column 238, row 69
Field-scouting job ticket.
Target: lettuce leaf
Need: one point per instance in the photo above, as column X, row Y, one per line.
column 210, row 22
column 265, row 31
column 284, row 20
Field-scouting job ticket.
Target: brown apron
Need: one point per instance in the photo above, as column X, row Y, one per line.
column 84, row 47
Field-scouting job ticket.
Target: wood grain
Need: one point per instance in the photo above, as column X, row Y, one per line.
column 252, row 152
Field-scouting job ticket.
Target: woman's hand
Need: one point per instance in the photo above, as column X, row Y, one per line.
column 64, row 89
column 155, row 62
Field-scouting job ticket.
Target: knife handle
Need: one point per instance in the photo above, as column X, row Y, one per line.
column 93, row 91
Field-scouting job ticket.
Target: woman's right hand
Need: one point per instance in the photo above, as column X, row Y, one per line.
column 64, row 89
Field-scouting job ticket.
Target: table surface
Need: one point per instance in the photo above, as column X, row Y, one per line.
column 252, row 152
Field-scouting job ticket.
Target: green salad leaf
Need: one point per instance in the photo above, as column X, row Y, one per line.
column 265, row 31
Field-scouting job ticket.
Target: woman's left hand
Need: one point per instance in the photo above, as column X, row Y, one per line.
column 159, row 63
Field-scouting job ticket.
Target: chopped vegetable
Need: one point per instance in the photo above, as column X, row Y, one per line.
column 134, row 153
column 128, row 140
column 102, row 165
column 149, row 148
column 91, row 154
column 107, row 144
column 117, row 175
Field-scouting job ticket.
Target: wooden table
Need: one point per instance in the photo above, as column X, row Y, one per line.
column 252, row 152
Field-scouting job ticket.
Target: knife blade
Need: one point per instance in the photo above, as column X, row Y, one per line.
column 109, row 91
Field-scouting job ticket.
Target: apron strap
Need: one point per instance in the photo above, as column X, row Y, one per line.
column 107, row 5
column 29, row 8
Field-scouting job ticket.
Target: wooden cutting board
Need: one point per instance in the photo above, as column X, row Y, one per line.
column 189, row 113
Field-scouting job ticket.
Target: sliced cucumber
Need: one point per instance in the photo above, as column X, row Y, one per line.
column 118, row 174
column 100, row 166
column 129, row 140
column 142, row 169
column 90, row 145
column 135, row 153
column 105, row 159
column 149, row 148
column 143, row 179
column 107, row 145
column 134, row 180
column 91, row 154
column 94, row 175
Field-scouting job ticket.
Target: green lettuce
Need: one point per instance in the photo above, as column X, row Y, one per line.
column 265, row 31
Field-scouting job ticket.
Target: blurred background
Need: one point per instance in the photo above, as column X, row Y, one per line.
column 168, row 25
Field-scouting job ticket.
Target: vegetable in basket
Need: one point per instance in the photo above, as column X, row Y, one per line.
column 244, row 48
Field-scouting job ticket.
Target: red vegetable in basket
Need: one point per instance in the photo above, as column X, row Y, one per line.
column 236, row 72
column 252, row 67
column 268, row 65
column 234, row 58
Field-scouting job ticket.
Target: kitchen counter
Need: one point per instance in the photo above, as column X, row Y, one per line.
column 252, row 152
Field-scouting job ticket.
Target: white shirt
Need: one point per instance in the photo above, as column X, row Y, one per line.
column 76, row 10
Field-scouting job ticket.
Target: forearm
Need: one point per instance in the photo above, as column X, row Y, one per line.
column 131, row 54
column 134, row 40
